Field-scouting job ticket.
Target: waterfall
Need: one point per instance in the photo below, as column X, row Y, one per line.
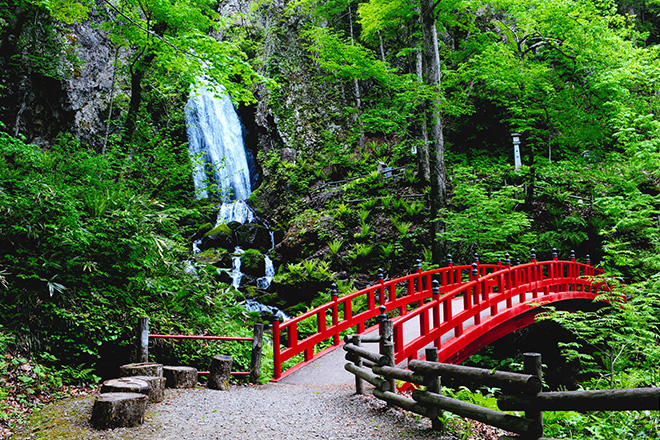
column 215, row 143
column 221, row 165
column 264, row 282
column 236, row 273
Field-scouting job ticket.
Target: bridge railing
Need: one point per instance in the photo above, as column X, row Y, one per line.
column 409, row 297
column 356, row 309
column 493, row 298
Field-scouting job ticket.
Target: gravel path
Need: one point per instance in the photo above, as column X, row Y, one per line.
column 271, row 411
column 282, row 411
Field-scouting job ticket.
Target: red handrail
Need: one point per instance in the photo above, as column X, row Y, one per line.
column 517, row 289
column 475, row 283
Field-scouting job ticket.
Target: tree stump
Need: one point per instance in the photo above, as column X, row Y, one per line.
column 125, row 385
column 180, row 377
column 115, row 410
column 156, row 387
column 220, row 372
column 142, row 369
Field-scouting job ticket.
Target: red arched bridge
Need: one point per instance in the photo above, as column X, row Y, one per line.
column 458, row 309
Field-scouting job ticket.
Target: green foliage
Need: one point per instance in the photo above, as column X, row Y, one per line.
column 335, row 245
column 483, row 218
column 617, row 336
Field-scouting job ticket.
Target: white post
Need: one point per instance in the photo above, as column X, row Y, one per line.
column 516, row 150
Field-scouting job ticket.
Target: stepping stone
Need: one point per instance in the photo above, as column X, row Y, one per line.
column 156, row 387
column 116, row 410
column 180, row 377
column 125, row 385
column 220, row 372
column 142, row 369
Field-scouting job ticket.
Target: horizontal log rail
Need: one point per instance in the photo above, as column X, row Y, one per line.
column 506, row 381
column 585, row 400
column 257, row 343
column 519, row 391
column 503, row 290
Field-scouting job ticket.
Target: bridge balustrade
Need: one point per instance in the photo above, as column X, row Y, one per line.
column 483, row 303
column 494, row 287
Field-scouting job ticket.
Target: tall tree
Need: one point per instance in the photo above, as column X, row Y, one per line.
column 432, row 76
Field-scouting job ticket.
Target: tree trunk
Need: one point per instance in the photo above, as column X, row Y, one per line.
column 431, row 65
column 423, row 165
column 356, row 86
column 142, row 369
column 138, row 69
column 180, row 377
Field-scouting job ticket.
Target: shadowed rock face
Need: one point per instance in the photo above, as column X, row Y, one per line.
column 46, row 93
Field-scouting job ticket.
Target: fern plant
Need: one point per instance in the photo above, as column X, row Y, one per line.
column 335, row 245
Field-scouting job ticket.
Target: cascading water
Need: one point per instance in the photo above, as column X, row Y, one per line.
column 215, row 143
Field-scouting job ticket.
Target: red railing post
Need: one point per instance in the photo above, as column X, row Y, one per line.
column 435, row 292
column 381, row 283
column 476, row 293
column 420, row 284
column 334, row 294
column 534, row 275
column 572, row 271
column 277, row 363
column 450, row 272
column 508, row 282
column 553, row 270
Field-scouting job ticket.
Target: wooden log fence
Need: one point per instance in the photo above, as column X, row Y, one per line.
column 520, row 391
column 143, row 337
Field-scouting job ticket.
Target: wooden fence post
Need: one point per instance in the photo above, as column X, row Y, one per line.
column 433, row 385
column 532, row 365
column 386, row 344
column 359, row 385
column 255, row 358
column 143, row 339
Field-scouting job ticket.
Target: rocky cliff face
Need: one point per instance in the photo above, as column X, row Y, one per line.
column 91, row 90
column 55, row 79
column 301, row 109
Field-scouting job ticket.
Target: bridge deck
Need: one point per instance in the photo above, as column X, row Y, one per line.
column 329, row 368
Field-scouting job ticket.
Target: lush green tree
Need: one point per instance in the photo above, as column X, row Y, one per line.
column 179, row 37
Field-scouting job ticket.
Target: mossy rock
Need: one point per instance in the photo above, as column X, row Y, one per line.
column 218, row 257
column 221, row 229
column 203, row 229
column 252, row 262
